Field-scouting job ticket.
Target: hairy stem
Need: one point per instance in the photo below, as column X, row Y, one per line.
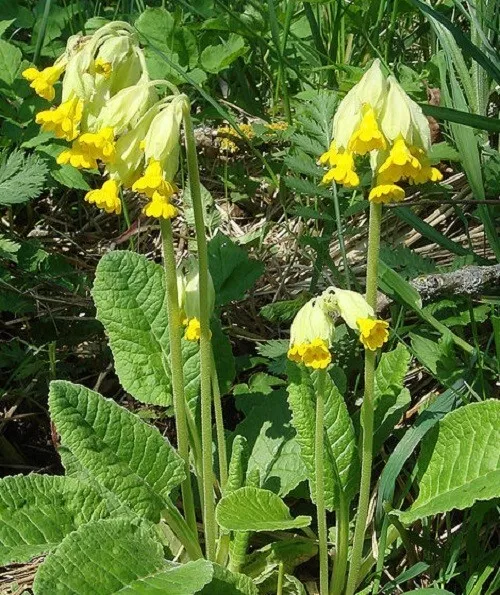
column 342, row 546
column 219, row 428
column 320, row 483
column 368, row 403
column 205, row 344
column 177, row 370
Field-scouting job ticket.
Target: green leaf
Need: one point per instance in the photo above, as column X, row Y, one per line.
column 215, row 58
column 255, row 509
column 21, row 177
column 341, row 460
column 129, row 293
column 460, row 117
column 391, row 398
column 438, row 356
column 233, row 272
column 460, row 461
column 284, row 311
column 70, row 177
column 129, row 457
column 100, row 557
column 271, row 440
column 38, row 511
column 291, row 552
column 10, row 61
column 185, row 579
column 226, row 582
column 406, row 447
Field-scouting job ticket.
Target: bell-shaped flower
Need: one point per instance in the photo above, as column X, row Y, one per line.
column 161, row 143
column 42, row 81
column 191, row 301
column 124, row 110
column 107, row 197
column 63, row 121
column 386, row 193
column 403, row 118
column 311, row 335
column 362, row 103
column 358, row 315
column 342, row 170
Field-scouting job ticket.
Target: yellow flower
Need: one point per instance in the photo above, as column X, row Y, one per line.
column 367, row 137
column 368, row 93
column 153, row 181
column 400, row 164
column 277, row 126
column 386, row 193
column 193, row 330
column 106, row 197
column 160, row 207
column 316, row 354
column 64, row 121
column 77, row 156
column 426, row 173
column 226, row 134
column 102, row 67
column 343, row 171
column 247, row 130
column 311, row 335
column 330, row 156
column 373, row 333
column 403, row 118
column 100, row 145
column 42, row 81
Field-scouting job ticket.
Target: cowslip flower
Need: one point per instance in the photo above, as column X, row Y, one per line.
column 358, row 315
column 64, row 120
column 377, row 118
column 189, row 300
column 107, row 197
column 42, row 81
column 311, row 335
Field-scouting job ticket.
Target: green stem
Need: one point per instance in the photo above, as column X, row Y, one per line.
column 342, row 543
column 382, row 545
column 177, row 370
column 281, row 576
column 340, row 233
column 219, row 428
column 320, row 483
column 368, row 404
column 183, row 533
column 205, row 345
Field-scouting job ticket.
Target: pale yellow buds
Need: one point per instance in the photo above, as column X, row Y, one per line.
column 188, row 288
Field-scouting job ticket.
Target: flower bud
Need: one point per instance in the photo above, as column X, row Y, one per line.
column 192, row 292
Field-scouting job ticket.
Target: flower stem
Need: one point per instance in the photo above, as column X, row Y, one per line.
column 177, row 370
column 205, row 345
column 219, row 428
column 320, row 483
column 342, row 544
column 368, row 404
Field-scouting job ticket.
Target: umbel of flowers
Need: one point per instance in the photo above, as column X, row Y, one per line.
column 377, row 118
column 312, row 330
column 111, row 117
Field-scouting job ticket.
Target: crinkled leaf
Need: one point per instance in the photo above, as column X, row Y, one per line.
column 459, row 461
column 225, row 582
column 185, row 579
column 100, row 557
column 37, row 511
column 129, row 457
column 129, row 293
column 255, row 509
column 233, row 272
column 391, row 398
column 341, row 456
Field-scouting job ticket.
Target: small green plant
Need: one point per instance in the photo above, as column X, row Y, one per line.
column 133, row 513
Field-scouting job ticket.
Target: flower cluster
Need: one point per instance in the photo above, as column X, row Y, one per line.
column 313, row 328
column 377, row 117
column 111, row 114
column 227, row 137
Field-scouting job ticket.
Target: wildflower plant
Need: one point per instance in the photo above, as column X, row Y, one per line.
column 125, row 517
